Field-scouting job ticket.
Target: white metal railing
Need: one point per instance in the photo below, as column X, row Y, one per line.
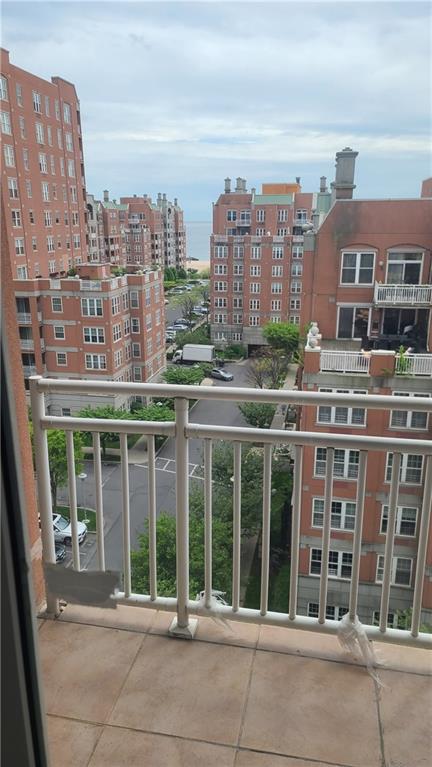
column 91, row 285
column 298, row 237
column 182, row 430
column 29, row 370
column 414, row 364
column 411, row 295
column 27, row 343
column 24, row 318
column 344, row 362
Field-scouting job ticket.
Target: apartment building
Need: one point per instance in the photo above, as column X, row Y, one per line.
column 161, row 222
column 43, row 178
column 92, row 326
column 356, row 373
column 257, row 258
column 95, row 228
column 174, row 232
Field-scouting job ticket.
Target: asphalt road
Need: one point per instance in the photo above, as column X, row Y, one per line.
column 206, row 412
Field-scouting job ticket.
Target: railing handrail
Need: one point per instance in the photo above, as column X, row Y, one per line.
column 275, row 396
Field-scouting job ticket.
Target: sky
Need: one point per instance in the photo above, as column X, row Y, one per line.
column 175, row 96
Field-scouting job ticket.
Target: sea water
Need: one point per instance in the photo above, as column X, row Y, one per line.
column 198, row 239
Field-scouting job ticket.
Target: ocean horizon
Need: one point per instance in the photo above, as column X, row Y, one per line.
column 198, row 239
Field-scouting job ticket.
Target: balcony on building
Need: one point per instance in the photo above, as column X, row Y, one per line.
column 402, row 295
column 255, row 686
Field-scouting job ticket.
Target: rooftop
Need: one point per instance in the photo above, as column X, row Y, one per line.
column 238, row 695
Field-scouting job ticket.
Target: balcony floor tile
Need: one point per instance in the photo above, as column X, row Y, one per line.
column 312, row 709
column 71, row 742
column 122, row 617
column 254, row 759
column 209, row 630
column 119, row 746
column 187, row 688
column 405, row 709
column 84, row 668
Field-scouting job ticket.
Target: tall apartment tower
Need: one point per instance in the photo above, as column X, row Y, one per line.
column 174, row 232
column 43, row 173
column 259, row 272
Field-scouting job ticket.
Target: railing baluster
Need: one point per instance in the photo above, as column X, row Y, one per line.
column 360, row 499
column 295, row 530
column 99, row 500
column 126, row 514
column 40, row 438
column 422, row 547
column 208, row 521
column 265, row 537
column 72, row 499
column 389, row 544
column 151, row 453
column 328, row 491
column 236, row 527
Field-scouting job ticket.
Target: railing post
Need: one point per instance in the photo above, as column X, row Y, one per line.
column 182, row 626
column 43, row 485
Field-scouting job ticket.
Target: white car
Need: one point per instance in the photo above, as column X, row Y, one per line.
column 63, row 530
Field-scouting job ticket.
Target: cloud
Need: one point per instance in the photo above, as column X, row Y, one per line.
column 183, row 92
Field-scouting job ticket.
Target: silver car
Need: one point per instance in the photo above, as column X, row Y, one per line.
column 63, row 530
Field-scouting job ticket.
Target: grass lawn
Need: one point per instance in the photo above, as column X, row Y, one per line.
column 82, row 515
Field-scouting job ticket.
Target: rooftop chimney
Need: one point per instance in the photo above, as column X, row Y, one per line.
column 164, row 196
column 238, row 184
column 253, row 191
column 144, row 196
column 106, row 195
column 175, row 201
column 227, row 185
column 244, row 185
column 297, row 179
column 343, row 185
column 323, row 184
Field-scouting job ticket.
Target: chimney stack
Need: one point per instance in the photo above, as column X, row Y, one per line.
column 106, row 195
column 323, row 184
column 164, row 197
column 298, row 180
column 175, row 201
column 343, row 185
column 253, row 191
column 227, row 185
column 238, row 184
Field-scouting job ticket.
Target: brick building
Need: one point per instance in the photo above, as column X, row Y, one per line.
column 256, row 259
column 91, row 326
column 43, row 179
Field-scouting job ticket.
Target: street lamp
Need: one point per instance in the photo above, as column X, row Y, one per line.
column 83, row 477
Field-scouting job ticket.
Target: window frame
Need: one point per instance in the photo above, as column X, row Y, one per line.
column 393, row 571
column 344, row 514
column 403, row 469
column 345, row 476
column 357, row 268
column 399, row 521
column 339, row 565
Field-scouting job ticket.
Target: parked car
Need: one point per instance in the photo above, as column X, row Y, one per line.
column 63, row 530
column 223, row 375
column 60, row 551
column 180, row 324
column 171, row 329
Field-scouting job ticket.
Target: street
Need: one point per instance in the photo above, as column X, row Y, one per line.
column 205, row 412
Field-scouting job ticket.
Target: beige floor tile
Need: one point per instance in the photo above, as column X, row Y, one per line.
column 253, row 759
column 397, row 657
column 312, row 709
column 70, row 743
column 118, row 747
column 209, row 630
column 188, row 688
column 125, row 617
column 84, row 667
column 305, row 643
column 406, row 718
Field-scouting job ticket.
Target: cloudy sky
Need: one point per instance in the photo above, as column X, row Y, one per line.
column 176, row 96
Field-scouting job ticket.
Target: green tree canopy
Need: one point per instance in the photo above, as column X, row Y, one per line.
column 154, row 412
column 257, row 414
column 104, row 411
column 188, row 376
column 283, row 336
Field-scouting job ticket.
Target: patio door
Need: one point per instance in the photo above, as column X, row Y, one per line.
column 353, row 321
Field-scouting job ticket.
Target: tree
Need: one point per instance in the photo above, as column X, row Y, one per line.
column 277, row 368
column 104, row 411
column 181, row 274
column 58, row 460
column 170, row 274
column 282, row 336
column 198, row 336
column 166, row 556
column 154, row 412
column 184, row 376
column 187, row 308
column 258, row 415
column 257, row 373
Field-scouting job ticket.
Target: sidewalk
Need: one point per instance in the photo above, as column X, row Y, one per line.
column 289, row 383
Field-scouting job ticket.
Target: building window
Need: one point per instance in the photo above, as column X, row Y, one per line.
column 45, row 191
column 276, row 305
column 282, row 216
column 68, row 142
column 57, row 305
column 254, row 304
column 94, row 335
column 294, row 319
column 295, row 304
column 260, row 216
column 220, row 287
column 22, row 126
column 76, row 240
column 231, row 215
column 254, row 320
column 137, row 374
column 277, row 252
column 37, row 102
column 297, row 251
column 333, row 612
column 134, row 299
column 301, row 215
column 48, row 218
column 238, row 270
column 275, row 319
column 339, row 563
column 256, row 252
column 255, row 287
column 220, row 269
column 19, row 96
column 221, row 251
column 357, row 268
column 49, row 134
column 40, row 135
column 346, row 416
column 66, row 112
column 400, row 571
column 118, row 358
column 117, row 334
column 406, row 521
column 9, row 156
column 57, row 109
column 91, row 307
column 52, row 266
column 61, row 358
column 277, row 271
column 115, row 305
column 5, row 123
column 237, row 303
column 296, row 270
column 255, row 271
column 59, row 332
column 34, row 244
column 95, row 361
column 21, row 272
column 342, row 514
column 19, row 246
column 73, row 193
column 276, row 287
column 43, row 167
column 237, row 319
column 52, row 164
column 345, row 463
column 353, row 322
column 408, row 419
column 410, row 471
column 29, row 189
column 237, row 287
column 220, row 318
column 71, row 168
column 238, row 251
column 260, row 232
column 50, row 244
column 3, row 88
column 16, row 218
